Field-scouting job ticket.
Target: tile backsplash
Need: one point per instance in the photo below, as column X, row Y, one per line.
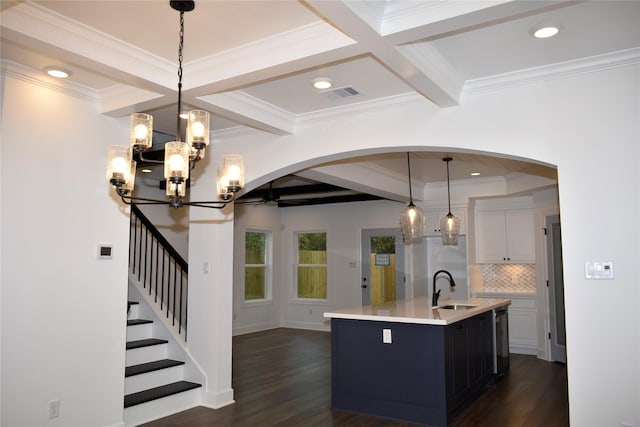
column 508, row 278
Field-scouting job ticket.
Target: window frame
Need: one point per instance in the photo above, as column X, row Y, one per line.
column 297, row 264
column 268, row 266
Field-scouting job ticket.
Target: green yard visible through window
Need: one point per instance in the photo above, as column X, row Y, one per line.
column 312, row 265
column 256, row 270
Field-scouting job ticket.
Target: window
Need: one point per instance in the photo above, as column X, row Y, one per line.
column 257, row 268
column 312, row 265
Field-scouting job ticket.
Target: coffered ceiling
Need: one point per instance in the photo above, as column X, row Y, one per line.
column 251, row 63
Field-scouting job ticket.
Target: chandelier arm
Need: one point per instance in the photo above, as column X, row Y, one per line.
column 217, row 204
column 144, row 159
column 142, row 201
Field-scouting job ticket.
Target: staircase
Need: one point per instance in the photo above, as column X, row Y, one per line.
column 155, row 384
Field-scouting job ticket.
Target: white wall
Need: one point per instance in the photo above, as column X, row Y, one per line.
column 585, row 124
column 63, row 310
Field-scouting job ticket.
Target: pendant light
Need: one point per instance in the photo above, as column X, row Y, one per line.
column 411, row 217
column 180, row 157
column 450, row 224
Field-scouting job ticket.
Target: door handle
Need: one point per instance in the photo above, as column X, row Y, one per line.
column 364, row 284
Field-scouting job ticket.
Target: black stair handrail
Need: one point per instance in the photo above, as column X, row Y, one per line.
column 159, row 268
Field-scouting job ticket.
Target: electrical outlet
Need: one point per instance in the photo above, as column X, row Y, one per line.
column 54, row 409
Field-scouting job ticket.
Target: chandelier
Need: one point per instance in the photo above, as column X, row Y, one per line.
column 180, row 156
column 411, row 217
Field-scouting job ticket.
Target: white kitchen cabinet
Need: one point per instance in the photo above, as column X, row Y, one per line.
column 523, row 326
column 504, row 236
column 434, row 216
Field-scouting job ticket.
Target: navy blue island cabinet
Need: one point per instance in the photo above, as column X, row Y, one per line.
column 410, row 372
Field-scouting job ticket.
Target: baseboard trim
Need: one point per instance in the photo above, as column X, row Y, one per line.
column 219, row 400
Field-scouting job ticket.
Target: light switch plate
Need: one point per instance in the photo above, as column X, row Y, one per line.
column 598, row 269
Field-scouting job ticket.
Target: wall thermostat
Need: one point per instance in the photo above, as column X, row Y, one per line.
column 105, row 251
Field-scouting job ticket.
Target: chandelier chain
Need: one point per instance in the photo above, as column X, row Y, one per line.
column 180, row 58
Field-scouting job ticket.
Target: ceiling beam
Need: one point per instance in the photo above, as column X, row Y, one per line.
column 442, row 92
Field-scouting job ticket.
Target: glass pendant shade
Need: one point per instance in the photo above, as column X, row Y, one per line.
column 450, row 229
column 141, row 131
column 119, row 165
column 198, row 129
column 176, row 162
column 132, row 178
column 233, row 173
column 450, row 224
column 223, row 185
column 412, row 223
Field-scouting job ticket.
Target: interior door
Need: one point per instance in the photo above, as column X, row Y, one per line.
column 556, row 289
column 382, row 266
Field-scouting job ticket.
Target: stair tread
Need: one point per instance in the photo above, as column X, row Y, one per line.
column 158, row 392
column 133, row 322
column 145, row 343
column 156, row 365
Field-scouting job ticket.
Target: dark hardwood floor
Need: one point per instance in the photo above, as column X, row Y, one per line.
column 282, row 377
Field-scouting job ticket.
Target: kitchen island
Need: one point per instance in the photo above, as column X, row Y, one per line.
column 411, row 362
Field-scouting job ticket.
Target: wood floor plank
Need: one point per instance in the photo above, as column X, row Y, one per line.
column 282, row 377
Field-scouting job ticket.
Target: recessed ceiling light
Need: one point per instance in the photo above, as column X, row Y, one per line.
column 322, row 83
column 145, row 170
column 545, row 31
column 474, row 173
column 57, row 72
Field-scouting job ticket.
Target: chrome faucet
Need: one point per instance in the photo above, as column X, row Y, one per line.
column 436, row 295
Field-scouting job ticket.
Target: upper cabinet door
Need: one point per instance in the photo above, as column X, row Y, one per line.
column 519, row 233
column 505, row 235
column 491, row 241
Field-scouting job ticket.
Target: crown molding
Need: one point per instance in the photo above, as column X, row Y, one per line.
column 534, row 75
column 376, row 104
column 37, row 78
column 37, row 22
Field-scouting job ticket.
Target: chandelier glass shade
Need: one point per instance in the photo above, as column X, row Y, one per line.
column 450, row 224
column 180, row 156
column 411, row 216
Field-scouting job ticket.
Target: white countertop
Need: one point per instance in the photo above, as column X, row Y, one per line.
column 418, row 310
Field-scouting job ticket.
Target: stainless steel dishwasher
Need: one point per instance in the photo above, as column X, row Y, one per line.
column 501, row 342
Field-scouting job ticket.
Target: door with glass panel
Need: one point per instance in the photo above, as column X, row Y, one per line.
column 382, row 266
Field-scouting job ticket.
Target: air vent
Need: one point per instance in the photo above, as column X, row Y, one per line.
column 341, row 93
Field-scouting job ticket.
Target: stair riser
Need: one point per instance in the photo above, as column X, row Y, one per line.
column 134, row 311
column 139, row 332
column 153, row 379
column 146, row 354
column 159, row 408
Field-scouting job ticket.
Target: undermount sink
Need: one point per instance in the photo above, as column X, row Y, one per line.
column 456, row 306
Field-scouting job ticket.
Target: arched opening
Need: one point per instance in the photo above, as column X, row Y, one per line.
column 273, row 207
